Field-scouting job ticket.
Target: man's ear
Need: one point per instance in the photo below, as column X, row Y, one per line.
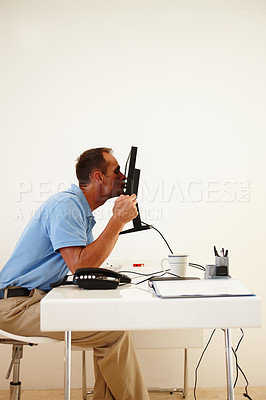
column 98, row 176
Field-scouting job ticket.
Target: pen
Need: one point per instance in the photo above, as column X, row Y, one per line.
column 216, row 252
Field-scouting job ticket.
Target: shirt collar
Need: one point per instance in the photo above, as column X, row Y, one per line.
column 78, row 192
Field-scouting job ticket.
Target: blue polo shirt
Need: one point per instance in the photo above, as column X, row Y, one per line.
column 64, row 220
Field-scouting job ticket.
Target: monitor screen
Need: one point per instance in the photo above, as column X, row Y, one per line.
column 132, row 175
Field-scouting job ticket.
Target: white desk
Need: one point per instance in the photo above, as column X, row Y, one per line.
column 135, row 308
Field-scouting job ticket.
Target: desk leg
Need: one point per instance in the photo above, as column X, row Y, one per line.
column 185, row 388
column 229, row 364
column 67, row 364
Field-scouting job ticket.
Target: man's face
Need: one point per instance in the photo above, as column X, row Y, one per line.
column 114, row 180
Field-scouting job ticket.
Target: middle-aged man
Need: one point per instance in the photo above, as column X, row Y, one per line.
column 58, row 239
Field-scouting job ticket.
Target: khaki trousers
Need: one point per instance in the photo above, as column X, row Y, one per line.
column 116, row 368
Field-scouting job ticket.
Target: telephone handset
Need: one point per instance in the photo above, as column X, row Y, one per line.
column 94, row 279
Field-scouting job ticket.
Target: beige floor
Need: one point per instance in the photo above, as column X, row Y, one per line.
column 202, row 394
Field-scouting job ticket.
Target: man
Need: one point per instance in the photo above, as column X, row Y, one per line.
column 58, row 239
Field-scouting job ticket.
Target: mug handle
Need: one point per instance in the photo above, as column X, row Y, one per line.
column 164, row 259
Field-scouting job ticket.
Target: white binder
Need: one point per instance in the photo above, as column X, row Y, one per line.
column 199, row 288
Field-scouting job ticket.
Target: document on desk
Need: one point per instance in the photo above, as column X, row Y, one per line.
column 200, row 288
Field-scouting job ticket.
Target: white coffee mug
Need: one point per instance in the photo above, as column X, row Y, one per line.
column 178, row 264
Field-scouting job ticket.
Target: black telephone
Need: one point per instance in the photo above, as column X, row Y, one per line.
column 94, row 279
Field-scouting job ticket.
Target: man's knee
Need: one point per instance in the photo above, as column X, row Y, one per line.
column 115, row 337
column 98, row 340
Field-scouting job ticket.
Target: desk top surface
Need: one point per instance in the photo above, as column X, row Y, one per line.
column 132, row 307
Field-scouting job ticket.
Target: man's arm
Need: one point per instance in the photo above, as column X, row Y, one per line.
column 95, row 253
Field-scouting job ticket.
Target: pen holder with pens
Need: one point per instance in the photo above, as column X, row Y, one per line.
column 220, row 268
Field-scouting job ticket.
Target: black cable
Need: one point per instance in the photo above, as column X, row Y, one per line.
column 141, row 273
column 242, row 372
column 197, row 367
column 147, row 279
column 237, row 374
column 194, row 265
column 151, row 275
column 198, row 266
column 234, row 352
column 238, row 368
column 161, row 236
column 242, row 337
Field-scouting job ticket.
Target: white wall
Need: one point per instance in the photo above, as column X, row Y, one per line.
column 182, row 80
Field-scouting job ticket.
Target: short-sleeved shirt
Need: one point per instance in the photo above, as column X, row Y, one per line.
column 64, row 220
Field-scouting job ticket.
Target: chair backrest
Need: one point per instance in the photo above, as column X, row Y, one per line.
column 27, row 339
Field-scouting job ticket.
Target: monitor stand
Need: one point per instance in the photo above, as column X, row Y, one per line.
column 137, row 225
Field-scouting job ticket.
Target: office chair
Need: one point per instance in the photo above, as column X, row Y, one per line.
column 18, row 342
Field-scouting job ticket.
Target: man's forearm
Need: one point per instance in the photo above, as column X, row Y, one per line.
column 95, row 253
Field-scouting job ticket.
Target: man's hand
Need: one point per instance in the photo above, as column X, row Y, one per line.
column 125, row 208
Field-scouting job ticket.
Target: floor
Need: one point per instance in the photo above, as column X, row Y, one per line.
column 256, row 393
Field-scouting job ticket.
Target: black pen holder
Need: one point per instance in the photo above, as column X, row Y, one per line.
column 219, row 270
column 222, row 261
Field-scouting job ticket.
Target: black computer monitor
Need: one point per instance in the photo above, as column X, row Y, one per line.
column 132, row 175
